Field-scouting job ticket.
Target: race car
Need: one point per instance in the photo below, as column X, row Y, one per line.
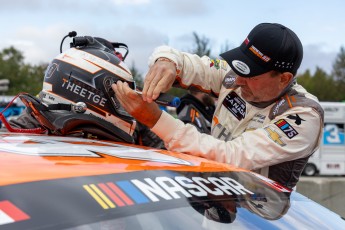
column 55, row 182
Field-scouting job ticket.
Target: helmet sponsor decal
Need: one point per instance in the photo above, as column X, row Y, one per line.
column 83, row 91
column 50, row 70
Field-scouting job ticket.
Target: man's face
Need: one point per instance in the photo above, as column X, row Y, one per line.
column 261, row 88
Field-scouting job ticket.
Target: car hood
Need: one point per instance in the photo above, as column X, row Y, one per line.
column 49, row 182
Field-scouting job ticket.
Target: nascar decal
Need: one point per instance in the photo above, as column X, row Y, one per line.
column 114, row 194
column 9, row 213
column 236, row 105
column 69, row 146
column 110, row 196
column 284, row 126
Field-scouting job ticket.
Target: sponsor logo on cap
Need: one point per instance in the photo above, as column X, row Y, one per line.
column 241, row 67
column 258, row 53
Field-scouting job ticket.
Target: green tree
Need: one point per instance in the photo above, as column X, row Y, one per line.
column 306, row 80
column 201, row 45
column 137, row 76
column 320, row 84
column 339, row 66
column 23, row 77
column 338, row 74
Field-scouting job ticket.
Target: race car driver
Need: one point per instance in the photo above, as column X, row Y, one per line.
column 77, row 99
column 264, row 120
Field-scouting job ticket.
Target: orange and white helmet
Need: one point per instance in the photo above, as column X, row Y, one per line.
column 82, row 76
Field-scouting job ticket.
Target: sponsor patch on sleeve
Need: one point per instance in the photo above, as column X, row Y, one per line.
column 284, row 126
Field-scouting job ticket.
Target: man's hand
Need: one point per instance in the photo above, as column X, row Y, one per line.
column 144, row 112
column 159, row 79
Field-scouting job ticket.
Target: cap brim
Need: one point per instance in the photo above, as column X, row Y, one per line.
column 241, row 64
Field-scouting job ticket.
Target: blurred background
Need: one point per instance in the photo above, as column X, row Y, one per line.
column 31, row 32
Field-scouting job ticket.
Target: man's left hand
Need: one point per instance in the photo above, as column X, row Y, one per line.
column 144, row 112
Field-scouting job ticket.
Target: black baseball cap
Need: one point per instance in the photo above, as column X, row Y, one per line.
column 269, row 46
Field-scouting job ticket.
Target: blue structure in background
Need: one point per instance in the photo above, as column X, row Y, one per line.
column 15, row 109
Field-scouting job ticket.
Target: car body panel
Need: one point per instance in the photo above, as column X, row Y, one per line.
column 59, row 157
column 49, row 182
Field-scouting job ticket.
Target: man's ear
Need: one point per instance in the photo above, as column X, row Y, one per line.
column 285, row 79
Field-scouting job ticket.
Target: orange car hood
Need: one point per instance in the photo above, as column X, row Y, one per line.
column 27, row 158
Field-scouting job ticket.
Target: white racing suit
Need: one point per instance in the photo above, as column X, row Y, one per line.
column 274, row 139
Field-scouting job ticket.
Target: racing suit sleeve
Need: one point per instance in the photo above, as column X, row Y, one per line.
column 200, row 72
column 251, row 150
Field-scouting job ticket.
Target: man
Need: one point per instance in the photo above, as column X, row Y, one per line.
column 77, row 99
column 197, row 108
column 264, row 121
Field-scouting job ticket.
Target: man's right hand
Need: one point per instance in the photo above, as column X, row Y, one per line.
column 159, row 79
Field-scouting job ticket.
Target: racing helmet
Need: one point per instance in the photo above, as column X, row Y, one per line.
column 82, row 77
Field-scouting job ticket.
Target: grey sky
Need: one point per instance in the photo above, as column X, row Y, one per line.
column 36, row 27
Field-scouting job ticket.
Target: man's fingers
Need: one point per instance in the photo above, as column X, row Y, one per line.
column 131, row 101
column 158, row 80
column 153, row 87
column 117, row 87
column 150, row 85
column 147, row 83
